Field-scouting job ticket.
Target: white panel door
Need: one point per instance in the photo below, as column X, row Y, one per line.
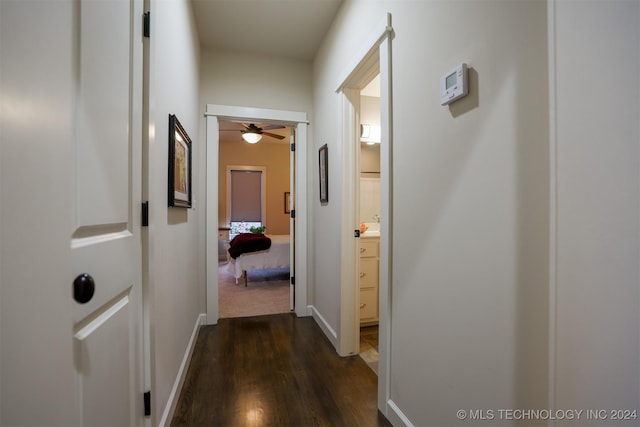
column 106, row 245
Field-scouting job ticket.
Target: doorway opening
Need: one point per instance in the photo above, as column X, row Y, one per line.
column 296, row 196
column 368, row 209
column 373, row 58
column 252, row 213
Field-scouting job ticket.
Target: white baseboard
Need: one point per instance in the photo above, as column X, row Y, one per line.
column 395, row 416
column 324, row 325
column 305, row 311
column 167, row 414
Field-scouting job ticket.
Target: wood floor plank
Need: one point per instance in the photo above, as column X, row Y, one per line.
column 276, row 370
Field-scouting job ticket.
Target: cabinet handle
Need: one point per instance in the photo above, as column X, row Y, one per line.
column 362, row 274
column 362, row 250
column 363, row 305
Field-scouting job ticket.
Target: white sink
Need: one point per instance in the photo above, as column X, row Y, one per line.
column 369, row 233
column 372, row 231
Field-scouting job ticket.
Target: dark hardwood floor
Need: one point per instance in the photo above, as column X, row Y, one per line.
column 276, row 370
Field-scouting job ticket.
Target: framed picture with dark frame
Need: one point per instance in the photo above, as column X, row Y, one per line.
column 179, row 165
column 323, row 162
column 287, row 202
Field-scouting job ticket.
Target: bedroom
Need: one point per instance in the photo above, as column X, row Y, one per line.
column 254, row 182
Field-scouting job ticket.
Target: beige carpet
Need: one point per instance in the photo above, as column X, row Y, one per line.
column 267, row 293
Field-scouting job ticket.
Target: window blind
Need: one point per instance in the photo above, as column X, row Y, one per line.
column 246, row 196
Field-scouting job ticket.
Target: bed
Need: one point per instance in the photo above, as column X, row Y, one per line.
column 277, row 256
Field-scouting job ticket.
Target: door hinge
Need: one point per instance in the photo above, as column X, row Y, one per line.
column 293, row 213
column 147, row 25
column 147, row 403
column 356, row 233
column 293, row 280
column 293, row 146
column 145, row 214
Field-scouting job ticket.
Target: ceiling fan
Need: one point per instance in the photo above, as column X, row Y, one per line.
column 252, row 133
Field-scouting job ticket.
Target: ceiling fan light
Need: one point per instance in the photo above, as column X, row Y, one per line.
column 251, row 137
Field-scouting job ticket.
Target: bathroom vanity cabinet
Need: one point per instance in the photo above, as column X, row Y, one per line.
column 368, row 282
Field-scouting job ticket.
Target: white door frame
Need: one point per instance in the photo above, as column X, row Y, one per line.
column 373, row 57
column 292, row 221
column 289, row 118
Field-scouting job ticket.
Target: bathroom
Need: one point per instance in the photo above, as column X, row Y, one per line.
column 369, row 217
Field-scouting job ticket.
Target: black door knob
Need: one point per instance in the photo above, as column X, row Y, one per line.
column 83, row 288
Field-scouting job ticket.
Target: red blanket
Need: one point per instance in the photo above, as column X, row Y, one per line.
column 248, row 242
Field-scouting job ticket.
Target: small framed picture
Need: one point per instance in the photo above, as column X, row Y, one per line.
column 179, row 165
column 287, row 202
column 323, row 162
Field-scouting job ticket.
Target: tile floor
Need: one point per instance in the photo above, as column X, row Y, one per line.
column 369, row 346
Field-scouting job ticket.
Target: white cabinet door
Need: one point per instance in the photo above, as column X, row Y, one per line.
column 106, row 241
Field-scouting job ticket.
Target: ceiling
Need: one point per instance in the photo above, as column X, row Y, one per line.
column 284, row 28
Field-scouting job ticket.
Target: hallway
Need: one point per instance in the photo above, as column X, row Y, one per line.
column 277, row 370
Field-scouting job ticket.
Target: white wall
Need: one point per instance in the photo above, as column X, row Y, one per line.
column 369, row 162
column 597, row 182
column 370, row 110
column 176, row 263
column 250, row 80
column 471, row 202
column 370, row 154
column 369, row 198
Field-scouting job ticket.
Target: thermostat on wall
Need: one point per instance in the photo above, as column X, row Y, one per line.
column 454, row 85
